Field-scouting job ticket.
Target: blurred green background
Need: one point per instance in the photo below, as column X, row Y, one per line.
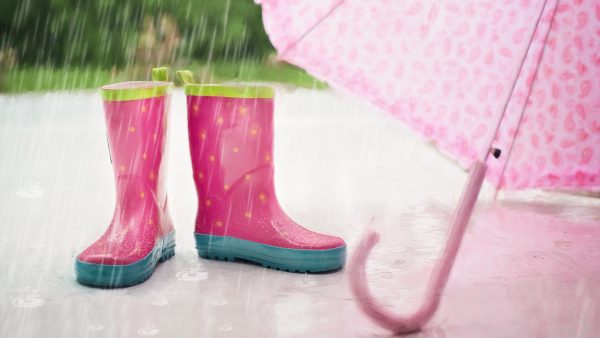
column 76, row 44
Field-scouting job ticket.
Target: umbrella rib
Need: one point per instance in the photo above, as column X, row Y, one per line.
column 529, row 91
column 317, row 23
column 487, row 145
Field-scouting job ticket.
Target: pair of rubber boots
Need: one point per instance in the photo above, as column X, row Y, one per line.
column 231, row 145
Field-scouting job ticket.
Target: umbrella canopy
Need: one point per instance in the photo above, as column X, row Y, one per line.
column 522, row 76
column 446, row 67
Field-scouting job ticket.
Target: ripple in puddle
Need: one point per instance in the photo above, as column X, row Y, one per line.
column 191, row 275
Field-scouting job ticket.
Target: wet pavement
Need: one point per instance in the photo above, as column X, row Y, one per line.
column 529, row 265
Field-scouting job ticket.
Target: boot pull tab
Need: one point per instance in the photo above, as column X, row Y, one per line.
column 160, row 74
column 186, row 77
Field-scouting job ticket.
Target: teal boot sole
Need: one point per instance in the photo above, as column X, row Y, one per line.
column 292, row 260
column 118, row 276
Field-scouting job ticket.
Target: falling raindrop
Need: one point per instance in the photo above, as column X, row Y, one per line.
column 94, row 327
column 219, row 300
column 306, row 281
column 149, row 329
column 37, row 241
column 31, row 189
column 160, row 300
column 191, row 275
column 226, row 326
column 30, row 299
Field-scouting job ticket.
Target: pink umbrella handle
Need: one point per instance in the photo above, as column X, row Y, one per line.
column 439, row 275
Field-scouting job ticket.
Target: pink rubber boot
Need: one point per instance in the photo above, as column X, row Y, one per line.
column 141, row 231
column 239, row 218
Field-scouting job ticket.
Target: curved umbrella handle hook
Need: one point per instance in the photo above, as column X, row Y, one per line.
column 439, row 275
column 366, row 301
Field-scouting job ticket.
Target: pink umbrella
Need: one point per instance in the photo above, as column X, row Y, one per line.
column 472, row 76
